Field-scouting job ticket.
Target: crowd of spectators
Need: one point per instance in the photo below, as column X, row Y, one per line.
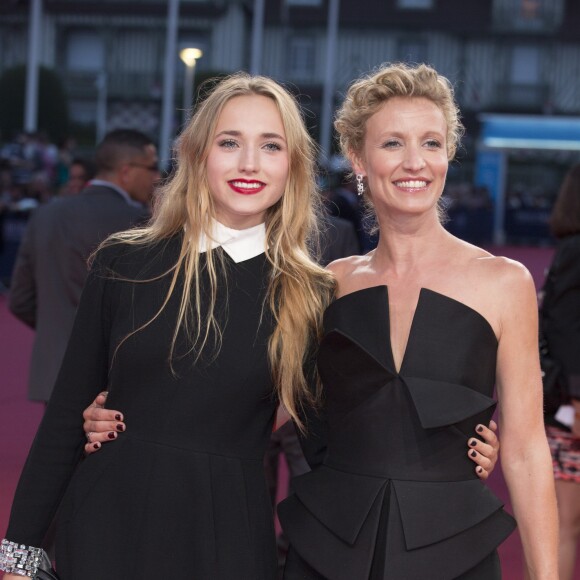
column 466, row 195
column 34, row 170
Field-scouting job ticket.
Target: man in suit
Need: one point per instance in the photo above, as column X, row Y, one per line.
column 51, row 266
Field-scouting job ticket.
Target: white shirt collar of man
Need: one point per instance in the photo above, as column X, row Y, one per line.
column 239, row 245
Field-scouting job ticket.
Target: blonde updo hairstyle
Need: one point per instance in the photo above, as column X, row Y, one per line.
column 368, row 94
column 298, row 288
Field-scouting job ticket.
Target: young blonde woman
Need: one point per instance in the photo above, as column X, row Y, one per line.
column 203, row 319
column 422, row 329
column 199, row 325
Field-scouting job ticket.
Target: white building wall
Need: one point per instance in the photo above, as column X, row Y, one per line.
column 229, row 41
column 484, row 68
column 360, row 51
column 444, row 54
column 275, row 41
column 135, row 44
column 133, row 50
column 564, row 78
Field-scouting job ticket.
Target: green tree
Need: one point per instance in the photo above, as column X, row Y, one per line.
column 53, row 116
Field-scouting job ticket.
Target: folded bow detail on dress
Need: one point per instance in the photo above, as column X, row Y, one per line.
column 439, row 403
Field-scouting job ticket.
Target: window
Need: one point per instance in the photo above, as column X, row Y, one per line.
column 85, row 51
column 304, row 2
column 302, row 58
column 528, row 15
column 415, row 4
column 412, row 50
column 530, row 9
column 525, row 69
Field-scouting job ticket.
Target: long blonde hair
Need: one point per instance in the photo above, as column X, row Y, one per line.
column 298, row 288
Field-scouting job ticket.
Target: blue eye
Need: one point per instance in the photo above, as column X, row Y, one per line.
column 433, row 144
column 228, row 144
column 390, row 144
column 273, row 147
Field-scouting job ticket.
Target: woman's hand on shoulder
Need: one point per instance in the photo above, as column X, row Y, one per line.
column 101, row 425
column 484, row 453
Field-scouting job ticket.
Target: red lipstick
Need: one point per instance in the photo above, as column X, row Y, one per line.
column 246, row 186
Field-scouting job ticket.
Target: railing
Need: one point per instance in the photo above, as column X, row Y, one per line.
column 125, row 85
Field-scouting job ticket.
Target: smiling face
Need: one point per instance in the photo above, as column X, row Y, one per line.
column 248, row 161
column 404, row 156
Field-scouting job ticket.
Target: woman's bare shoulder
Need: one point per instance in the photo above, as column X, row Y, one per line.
column 493, row 269
column 496, row 286
column 505, row 285
column 352, row 273
column 502, row 272
column 344, row 267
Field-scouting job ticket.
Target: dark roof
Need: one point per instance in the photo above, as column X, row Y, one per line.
column 447, row 15
column 122, row 7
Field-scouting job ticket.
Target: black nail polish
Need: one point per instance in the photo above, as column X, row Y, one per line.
column 473, row 442
column 120, row 427
column 479, row 428
column 474, row 453
column 118, row 417
column 111, row 435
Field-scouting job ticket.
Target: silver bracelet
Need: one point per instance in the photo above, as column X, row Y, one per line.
column 19, row 559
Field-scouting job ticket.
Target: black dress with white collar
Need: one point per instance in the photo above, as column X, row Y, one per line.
column 181, row 494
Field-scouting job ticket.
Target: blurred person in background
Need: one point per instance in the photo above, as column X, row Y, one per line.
column 67, row 148
column 560, row 324
column 51, row 266
column 80, row 172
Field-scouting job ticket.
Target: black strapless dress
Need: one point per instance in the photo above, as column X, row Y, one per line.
column 396, row 496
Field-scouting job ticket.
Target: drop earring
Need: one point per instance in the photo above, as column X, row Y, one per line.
column 360, row 186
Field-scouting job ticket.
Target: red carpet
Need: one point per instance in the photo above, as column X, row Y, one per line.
column 20, row 418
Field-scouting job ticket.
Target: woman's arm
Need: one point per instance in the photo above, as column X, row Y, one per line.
column 59, row 441
column 526, row 457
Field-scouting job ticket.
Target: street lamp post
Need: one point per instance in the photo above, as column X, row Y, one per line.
column 34, row 36
column 167, row 103
column 189, row 56
column 328, row 90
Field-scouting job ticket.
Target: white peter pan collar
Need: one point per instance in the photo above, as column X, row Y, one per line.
column 239, row 245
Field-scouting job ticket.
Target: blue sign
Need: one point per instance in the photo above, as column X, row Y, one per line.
column 489, row 167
